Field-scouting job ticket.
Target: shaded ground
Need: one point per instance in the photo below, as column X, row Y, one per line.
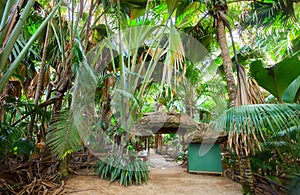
column 165, row 178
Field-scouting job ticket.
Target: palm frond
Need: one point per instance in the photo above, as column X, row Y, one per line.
column 277, row 143
column 265, row 14
column 248, row 90
column 19, row 45
column 70, row 126
column 175, row 59
column 288, row 132
column 63, row 136
column 247, row 123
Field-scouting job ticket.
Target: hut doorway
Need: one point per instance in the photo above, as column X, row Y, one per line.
column 169, row 130
column 165, row 125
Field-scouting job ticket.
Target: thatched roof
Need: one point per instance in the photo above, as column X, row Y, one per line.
column 205, row 134
column 166, row 123
column 141, row 131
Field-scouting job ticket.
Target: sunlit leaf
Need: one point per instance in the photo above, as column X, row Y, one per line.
column 277, row 78
column 292, row 93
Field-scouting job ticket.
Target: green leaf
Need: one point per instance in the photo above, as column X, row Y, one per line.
column 172, row 5
column 63, row 135
column 2, row 6
column 292, row 93
column 184, row 13
column 135, row 13
column 278, row 78
column 20, row 57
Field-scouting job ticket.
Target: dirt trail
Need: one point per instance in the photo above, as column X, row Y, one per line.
column 166, row 178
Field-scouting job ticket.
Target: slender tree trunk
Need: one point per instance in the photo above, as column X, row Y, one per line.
column 244, row 161
column 88, row 30
column 227, row 63
column 2, row 104
column 244, row 164
column 41, row 77
column 40, row 82
column 248, row 181
column 106, row 103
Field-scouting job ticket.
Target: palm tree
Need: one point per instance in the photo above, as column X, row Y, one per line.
column 219, row 12
column 79, row 43
column 240, row 136
column 87, row 81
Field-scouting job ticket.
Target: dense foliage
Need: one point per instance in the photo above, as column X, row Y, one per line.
column 65, row 66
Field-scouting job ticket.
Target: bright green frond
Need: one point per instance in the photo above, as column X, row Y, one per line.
column 63, row 135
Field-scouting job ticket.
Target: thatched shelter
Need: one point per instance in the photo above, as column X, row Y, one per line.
column 182, row 124
column 165, row 123
column 190, row 131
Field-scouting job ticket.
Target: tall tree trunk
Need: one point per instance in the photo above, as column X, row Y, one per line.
column 227, row 63
column 244, row 161
column 221, row 20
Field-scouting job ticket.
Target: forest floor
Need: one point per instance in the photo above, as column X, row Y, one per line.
column 166, row 177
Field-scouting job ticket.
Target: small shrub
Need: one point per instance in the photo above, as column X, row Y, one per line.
column 128, row 171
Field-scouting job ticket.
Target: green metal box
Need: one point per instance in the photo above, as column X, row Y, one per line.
column 204, row 160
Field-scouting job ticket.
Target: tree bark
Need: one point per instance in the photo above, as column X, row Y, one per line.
column 2, row 104
column 249, row 181
column 106, row 111
column 244, row 161
column 40, row 82
column 227, row 63
column 39, row 85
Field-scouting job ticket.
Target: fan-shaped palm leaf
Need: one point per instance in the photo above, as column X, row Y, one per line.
column 277, row 78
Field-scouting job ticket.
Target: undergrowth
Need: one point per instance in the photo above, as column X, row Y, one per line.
column 127, row 170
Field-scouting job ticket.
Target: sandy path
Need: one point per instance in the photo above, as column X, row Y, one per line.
column 165, row 178
column 161, row 181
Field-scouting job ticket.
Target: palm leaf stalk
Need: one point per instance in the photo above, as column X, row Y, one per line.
column 8, row 46
column 5, row 15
